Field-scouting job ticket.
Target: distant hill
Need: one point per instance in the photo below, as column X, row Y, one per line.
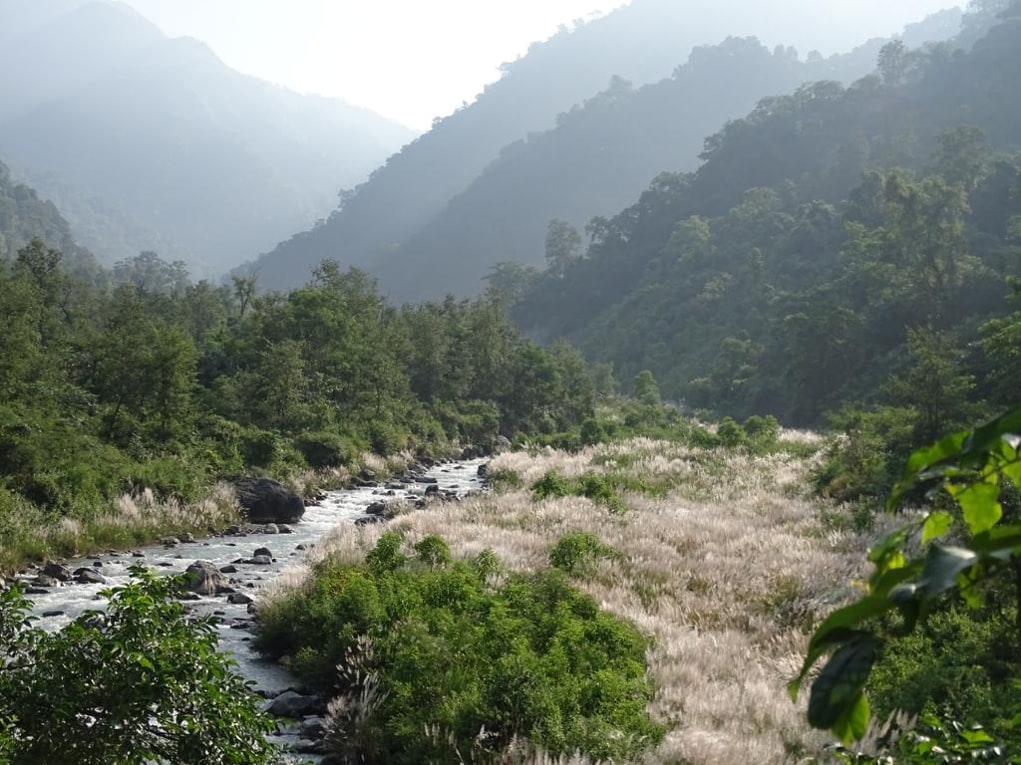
column 24, row 217
column 828, row 239
column 151, row 143
column 430, row 220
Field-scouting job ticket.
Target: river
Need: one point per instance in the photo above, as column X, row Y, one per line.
column 62, row 604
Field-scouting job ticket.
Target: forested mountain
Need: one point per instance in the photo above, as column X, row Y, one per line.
column 24, row 217
column 151, row 143
column 833, row 240
column 597, row 159
column 640, row 43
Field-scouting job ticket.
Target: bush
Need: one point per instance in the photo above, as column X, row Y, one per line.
column 323, row 449
column 138, row 683
column 260, row 448
column 575, row 553
column 431, row 653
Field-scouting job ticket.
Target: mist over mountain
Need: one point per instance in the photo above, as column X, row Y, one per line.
column 829, row 235
column 429, row 221
column 151, row 143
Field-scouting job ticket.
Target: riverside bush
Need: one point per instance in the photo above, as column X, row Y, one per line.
column 430, row 659
column 139, row 683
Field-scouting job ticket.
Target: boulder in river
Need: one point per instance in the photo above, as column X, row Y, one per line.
column 205, row 578
column 89, row 576
column 267, row 501
column 57, row 571
column 291, row 704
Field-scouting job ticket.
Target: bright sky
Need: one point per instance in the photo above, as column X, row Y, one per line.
column 413, row 60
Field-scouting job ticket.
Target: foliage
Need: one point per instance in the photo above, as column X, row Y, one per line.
column 972, row 467
column 575, row 553
column 435, row 658
column 138, row 683
column 838, row 244
column 154, row 382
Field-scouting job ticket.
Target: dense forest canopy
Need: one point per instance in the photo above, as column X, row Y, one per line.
column 828, row 236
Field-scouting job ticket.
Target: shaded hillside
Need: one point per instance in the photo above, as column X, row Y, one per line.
column 150, row 143
column 600, row 156
column 785, row 274
column 24, row 217
column 641, row 43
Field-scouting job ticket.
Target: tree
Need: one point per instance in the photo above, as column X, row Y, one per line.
column 893, row 62
column 646, row 388
column 138, row 683
column 934, row 385
column 563, row 246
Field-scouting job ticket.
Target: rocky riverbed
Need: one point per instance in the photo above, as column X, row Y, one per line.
column 236, row 564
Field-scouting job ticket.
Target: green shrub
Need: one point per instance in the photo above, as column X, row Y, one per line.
column 731, row 434
column 431, row 653
column 323, row 449
column 552, row 484
column 592, row 432
column 762, row 432
column 141, row 682
column 260, row 448
column 576, row 552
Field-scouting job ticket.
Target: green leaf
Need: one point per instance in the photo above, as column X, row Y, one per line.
column 853, row 724
column 838, row 628
column 936, row 526
column 943, row 565
column 836, row 692
column 980, row 503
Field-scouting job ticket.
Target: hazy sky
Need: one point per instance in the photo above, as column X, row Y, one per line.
column 414, row 60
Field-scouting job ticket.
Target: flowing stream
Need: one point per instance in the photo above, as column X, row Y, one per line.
column 61, row 604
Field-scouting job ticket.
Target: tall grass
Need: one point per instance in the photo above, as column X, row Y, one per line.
column 27, row 533
column 727, row 572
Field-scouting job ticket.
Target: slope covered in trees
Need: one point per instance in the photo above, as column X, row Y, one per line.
column 24, row 217
column 640, row 43
column 833, row 240
column 597, row 159
column 151, row 143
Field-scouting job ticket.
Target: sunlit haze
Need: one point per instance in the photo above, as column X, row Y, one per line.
column 414, row 61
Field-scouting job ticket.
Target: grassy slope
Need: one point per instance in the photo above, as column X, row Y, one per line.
column 725, row 563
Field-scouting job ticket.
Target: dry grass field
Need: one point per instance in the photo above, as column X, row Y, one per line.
column 721, row 558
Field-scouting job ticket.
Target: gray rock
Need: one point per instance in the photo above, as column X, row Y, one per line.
column 239, row 599
column 229, row 569
column 45, row 581
column 270, row 528
column 57, row 571
column 376, row 508
column 260, row 560
column 204, row 578
column 291, row 704
column 267, row 501
column 368, row 520
column 313, row 728
column 89, row 576
column 263, row 551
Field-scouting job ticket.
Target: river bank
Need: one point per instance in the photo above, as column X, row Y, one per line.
column 720, row 555
column 246, row 574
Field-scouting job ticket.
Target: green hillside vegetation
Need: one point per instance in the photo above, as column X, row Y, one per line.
column 161, row 384
column 838, row 244
column 24, row 217
column 600, row 155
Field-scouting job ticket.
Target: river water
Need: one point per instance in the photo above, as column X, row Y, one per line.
column 63, row 603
